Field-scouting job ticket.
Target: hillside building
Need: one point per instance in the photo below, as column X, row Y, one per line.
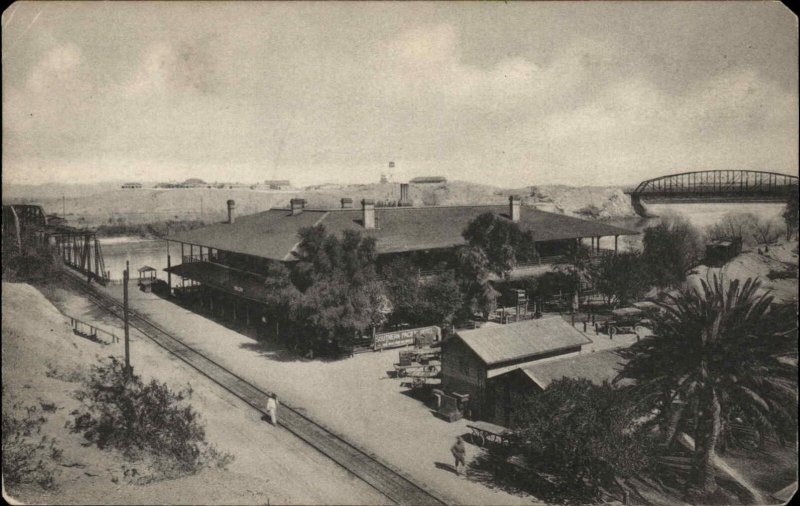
column 428, row 180
column 131, row 186
column 278, row 184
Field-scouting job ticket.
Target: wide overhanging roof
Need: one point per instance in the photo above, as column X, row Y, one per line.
column 596, row 367
column 273, row 234
column 515, row 341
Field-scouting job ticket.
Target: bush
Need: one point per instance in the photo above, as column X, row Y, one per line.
column 619, row 278
column 137, row 418
column 583, row 435
column 27, row 457
column 752, row 229
column 671, row 248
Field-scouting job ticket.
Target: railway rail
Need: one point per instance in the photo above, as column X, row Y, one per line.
column 387, row 480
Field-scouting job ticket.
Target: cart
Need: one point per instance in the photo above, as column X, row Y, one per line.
column 415, row 369
column 485, row 431
column 624, row 321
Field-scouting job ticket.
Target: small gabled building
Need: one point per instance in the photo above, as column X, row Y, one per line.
column 473, row 361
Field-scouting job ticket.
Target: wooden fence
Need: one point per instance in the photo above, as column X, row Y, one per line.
column 91, row 332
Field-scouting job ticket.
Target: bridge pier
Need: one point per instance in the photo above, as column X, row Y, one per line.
column 639, row 206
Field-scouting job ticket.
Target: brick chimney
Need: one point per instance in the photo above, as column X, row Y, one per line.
column 368, row 213
column 347, row 203
column 404, row 195
column 231, row 211
column 297, row 206
column 514, row 203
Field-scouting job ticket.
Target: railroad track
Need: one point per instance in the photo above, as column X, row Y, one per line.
column 387, row 480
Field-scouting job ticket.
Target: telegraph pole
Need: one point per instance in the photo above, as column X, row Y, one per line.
column 125, row 277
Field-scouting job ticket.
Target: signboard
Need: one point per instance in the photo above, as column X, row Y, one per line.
column 405, row 337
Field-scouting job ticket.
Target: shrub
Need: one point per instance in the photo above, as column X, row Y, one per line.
column 620, row 278
column 27, row 456
column 752, row 229
column 584, row 435
column 671, row 248
column 138, row 418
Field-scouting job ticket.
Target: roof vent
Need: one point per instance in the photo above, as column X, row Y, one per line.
column 297, row 206
column 368, row 213
column 514, row 204
column 231, row 211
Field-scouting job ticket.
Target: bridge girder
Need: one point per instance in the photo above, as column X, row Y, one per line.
column 715, row 183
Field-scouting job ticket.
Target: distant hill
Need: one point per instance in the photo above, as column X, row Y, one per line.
column 93, row 205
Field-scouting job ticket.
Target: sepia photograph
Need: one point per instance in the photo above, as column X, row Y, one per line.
column 390, row 252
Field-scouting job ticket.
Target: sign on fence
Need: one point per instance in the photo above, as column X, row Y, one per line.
column 406, row 337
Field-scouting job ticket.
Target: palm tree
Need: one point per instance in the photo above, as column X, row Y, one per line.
column 719, row 351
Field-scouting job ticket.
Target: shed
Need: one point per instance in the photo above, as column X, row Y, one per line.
column 471, row 358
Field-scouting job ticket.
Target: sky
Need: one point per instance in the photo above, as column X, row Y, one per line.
column 509, row 94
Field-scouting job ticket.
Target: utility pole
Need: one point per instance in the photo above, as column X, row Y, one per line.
column 125, row 277
column 63, row 206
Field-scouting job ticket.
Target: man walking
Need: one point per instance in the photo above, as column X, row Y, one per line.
column 272, row 409
column 459, row 453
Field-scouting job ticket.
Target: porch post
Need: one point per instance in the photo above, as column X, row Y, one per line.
column 615, row 243
column 169, row 274
column 183, row 255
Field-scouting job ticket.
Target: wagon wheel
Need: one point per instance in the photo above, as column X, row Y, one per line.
column 401, row 373
column 612, row 331
column 481, row 437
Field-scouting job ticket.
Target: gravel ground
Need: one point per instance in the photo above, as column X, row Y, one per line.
column 270, row 466
column 354, row 397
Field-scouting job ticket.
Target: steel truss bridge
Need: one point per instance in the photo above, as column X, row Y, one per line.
column 26, row 227
column 714, row 186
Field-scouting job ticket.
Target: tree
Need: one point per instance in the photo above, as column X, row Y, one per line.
column 733, row 226
column 582, row 433
column 472, row 272
column 340, row 294
column 752, row 229
column 501, row 240
column 721, row 350
column 577, row 263
column 434, row 301
column 791, row 214
column 671, row 248
column 767, row 231
column 620, row 278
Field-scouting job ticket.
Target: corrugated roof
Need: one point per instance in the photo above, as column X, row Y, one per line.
column 596, row 367
column 273, row 234
column 528, row 338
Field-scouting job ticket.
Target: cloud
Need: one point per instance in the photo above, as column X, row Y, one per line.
column 173, row 67
column 57, row 70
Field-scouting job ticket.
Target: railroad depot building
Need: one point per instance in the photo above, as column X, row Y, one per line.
column 477, row 362
column 226, row 262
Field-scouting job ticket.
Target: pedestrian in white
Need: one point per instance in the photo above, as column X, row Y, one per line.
column 272, row 409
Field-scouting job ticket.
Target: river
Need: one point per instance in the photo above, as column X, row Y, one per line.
column 153, row 252
column 701, row 216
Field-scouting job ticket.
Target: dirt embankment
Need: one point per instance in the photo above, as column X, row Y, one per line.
column 42, row 365
column 117, row 206
column 776, row 268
